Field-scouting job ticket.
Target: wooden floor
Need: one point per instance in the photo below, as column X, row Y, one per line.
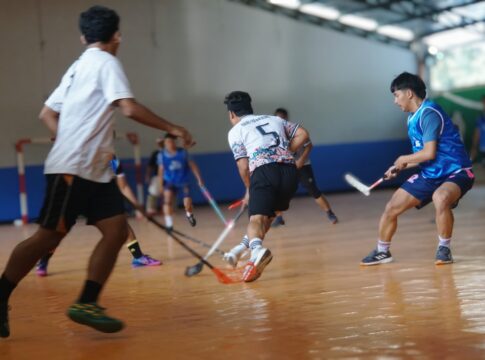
column 313, row 301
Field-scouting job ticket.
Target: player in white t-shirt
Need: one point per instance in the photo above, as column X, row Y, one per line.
column 306, row 178
column 79, row 179
column 263, row 147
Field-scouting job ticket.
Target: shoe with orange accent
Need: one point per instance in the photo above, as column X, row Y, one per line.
column 443, row 256
column 260, row 258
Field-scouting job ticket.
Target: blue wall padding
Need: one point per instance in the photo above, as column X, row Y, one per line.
column 367, row 161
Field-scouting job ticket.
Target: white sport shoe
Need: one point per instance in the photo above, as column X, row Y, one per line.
column 260, row 257
column 233, row 256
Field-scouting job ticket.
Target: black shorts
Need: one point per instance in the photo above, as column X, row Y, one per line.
column 68, row 196
column 307, row 179
column 271, row 188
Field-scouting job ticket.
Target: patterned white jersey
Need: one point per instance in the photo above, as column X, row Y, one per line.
column 263, row 139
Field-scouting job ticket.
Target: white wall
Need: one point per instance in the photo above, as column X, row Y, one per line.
column 183, row 56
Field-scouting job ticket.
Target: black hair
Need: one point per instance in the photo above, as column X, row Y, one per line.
column 170, row 136
column 98, row 23
column 409, row 81
column 239, row 102
column 281, row 111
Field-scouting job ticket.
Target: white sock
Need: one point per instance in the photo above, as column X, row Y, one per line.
column 444, row 242
column 245, row 241
column 255, row 243
column 168, row 221
column 188, row 213
column 383, row 246
column 241, row 247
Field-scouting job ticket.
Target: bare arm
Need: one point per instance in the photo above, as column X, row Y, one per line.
column 304, row 156
column 243, row 167
column 407, row 161
column 300, row 138
column 196, row 171
column 50, row 119
column 126, row 190
column 128, row 193
column 130, row 108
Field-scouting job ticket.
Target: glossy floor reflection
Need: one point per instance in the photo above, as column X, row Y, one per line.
column 313, row 301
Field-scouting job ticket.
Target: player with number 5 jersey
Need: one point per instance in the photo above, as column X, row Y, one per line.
column 263, row 147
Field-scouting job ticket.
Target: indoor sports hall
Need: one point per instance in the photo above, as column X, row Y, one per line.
column 330, row 64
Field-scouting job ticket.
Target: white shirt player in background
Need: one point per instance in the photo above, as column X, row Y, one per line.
column 306, row 178
column 79, row 114
column 263, row 147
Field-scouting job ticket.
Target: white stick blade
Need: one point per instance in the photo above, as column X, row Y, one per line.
column 356, row 183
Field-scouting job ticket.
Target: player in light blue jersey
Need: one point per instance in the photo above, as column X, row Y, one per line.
column 478, row 146
column 174, row 166
column 445, row 169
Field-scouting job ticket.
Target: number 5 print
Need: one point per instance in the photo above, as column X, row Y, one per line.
column 274, row 134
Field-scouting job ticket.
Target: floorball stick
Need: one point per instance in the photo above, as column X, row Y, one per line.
column 197, row 268
column 213, row 203
column 359, row 185
column 221, row 276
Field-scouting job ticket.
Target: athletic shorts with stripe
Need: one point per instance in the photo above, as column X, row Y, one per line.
column 307, row 179
column 271, row 188
column 422, row 188
column 69, row 196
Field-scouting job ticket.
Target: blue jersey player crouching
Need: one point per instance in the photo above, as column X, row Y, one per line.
column 446, row 174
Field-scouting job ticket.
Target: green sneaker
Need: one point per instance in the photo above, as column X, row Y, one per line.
column 91, row 314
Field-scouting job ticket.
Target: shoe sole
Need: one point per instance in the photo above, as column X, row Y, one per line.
column 383, row 261
column 145, row 265
column 103, row 327
column 263, row 262
column 443, row 262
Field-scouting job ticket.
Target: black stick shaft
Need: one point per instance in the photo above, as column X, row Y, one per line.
column 170, row 233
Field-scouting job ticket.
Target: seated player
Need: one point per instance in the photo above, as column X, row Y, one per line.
column 139, row 259
column 174, row 164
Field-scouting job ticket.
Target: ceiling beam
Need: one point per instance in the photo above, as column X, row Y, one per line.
column 329, row 24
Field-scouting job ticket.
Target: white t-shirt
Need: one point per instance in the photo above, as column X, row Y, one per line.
column 84, row 140
column 264, row 139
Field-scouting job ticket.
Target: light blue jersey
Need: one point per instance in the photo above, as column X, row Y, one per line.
column 451, row 155
column 175, row 167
